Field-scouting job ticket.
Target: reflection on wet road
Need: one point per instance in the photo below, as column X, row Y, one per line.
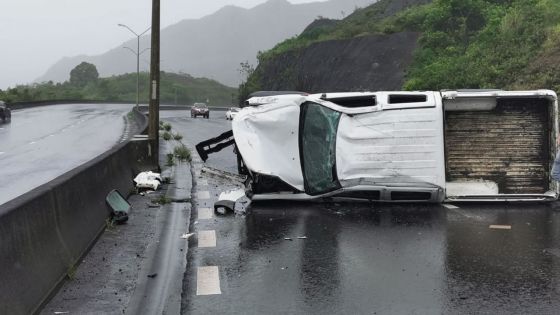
column 371, row 258
column 42, row 143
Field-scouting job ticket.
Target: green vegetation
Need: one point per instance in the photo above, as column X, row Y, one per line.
column 83, row 74
column 175, row 89
column 510, row 44
column 182, row 153
column 167, row 126
column 177, row 137
column 162, row 200
column 170, row 160
column 166, row 136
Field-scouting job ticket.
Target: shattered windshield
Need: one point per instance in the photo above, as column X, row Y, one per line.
column 318, row 148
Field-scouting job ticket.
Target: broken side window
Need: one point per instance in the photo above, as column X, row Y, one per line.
column 319, row 126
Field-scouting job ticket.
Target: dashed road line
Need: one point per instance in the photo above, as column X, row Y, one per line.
column 207, row 238
column 208, row 281
column 450, row 206
column 203, row 195
column 32, row 142
column 205, row 214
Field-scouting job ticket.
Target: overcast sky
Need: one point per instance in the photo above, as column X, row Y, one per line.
column 34, row 34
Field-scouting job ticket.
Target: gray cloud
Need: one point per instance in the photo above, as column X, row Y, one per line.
column 37, row 33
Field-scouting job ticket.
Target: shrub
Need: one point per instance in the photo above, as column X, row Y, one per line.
column 182, row 153
column 166, row 136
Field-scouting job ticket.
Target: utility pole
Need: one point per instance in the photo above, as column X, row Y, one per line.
column 153, row 122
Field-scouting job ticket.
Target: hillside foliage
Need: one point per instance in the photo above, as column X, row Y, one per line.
column 509, row 44
column 175, row 89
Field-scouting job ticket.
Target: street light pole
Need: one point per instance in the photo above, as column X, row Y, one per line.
column 137, row 53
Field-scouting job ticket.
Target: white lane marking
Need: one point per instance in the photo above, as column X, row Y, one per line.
column 203, row 195
column 208, row 281
column 33, row 142
column 207, row 238
column 51, row 135
column 450, row 206
column 500, row 227
column 205, row 214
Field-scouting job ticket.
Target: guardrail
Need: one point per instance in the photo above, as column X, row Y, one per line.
column 143, row 107
column 45, row 232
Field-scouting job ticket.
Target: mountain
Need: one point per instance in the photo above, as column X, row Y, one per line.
column 420, row 45
column 215, row 45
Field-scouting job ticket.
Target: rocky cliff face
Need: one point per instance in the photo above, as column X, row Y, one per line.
column 376, row 62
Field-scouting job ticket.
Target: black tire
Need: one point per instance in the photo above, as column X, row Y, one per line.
column 208, row 116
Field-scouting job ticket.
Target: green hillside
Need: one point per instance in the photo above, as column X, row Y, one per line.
column 175, row 89
column 464, row 43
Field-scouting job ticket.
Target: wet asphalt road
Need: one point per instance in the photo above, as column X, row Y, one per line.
column 367, row 258
column 42, row 143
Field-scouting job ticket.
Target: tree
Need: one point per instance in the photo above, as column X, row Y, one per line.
column 247, row 85
column 83, row 74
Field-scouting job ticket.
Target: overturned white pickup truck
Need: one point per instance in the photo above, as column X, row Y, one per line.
column 398, row 146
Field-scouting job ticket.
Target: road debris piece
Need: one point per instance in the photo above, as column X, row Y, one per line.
column 59, row 313
column 187, row 235
column 119, row 205
column 500, row 227
column 148, row 180
column 287, row 238
column 302, row 237
column 226, row 201
column 153, row 275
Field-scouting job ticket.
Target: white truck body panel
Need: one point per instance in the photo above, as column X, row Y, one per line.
column 386, row 147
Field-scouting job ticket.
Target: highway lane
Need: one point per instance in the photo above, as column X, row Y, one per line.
column 42, row 143
column 364, row 258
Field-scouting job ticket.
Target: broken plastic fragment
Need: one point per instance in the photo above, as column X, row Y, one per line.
column 287, row 238
column 302, row 237
column 187, row 235
column 119, row 205
column 148, row 180
column 227, row 200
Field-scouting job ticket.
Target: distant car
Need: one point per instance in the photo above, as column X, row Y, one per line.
column 200, row 109
column 232, row 112
column 5, row 113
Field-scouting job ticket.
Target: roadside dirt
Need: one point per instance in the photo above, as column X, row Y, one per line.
column 105, row 280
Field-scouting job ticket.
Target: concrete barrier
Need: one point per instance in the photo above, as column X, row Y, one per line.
column 44, row 233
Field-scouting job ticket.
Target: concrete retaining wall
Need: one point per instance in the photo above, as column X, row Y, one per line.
column 44, row 233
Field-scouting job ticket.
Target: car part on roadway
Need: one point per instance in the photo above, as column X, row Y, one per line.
column 119, row 205
column 148, row 180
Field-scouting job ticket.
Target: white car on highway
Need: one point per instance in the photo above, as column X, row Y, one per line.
column 232, row 112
